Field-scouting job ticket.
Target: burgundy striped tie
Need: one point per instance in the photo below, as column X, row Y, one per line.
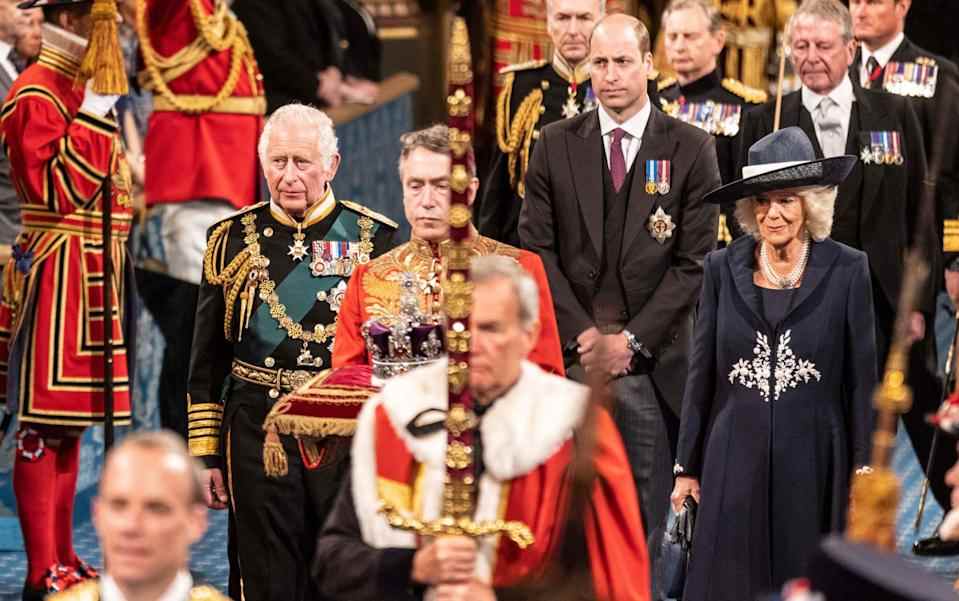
column 617, row 162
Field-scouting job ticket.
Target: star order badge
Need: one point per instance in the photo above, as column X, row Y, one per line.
column 660, row 225
column 571, row 108
column 298, row 249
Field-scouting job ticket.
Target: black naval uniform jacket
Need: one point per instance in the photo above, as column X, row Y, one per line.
column 881, row 201
column 934, row 115
column 562, row 221
column 310, row 300
column 497, row 212
column 712, row 88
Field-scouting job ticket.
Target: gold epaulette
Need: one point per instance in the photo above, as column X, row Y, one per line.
column 950, row 235
column 206, row 593
column 85, row 591
column 244, row 210
column 368, row 212
column 751, row 95
column 534, row 64
column 665, row 83
column 653, row 75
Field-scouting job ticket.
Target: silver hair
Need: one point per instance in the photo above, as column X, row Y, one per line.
column 494, row 267
column 601, row 4
column 819, row 204
column 826, row 10
column 302, row 116
column 713, row 16
column 165, row 441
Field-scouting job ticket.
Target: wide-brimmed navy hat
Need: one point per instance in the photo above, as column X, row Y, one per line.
column 41, row 3
column 783, row 159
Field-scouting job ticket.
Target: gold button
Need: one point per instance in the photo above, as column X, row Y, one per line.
column 536, row 134
column 268, row 232
column 542, row 109
column 269, row 362
column 321, row 295
column 544, row 84
column 274, row 393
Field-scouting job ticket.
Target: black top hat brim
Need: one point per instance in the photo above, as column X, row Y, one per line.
column 846, row 571
column 41, row 3
column 821, row 172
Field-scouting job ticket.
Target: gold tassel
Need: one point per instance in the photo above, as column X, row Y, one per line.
column 103, row 60
column 274, row 457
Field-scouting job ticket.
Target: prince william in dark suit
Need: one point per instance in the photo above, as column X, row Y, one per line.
column 614, row 209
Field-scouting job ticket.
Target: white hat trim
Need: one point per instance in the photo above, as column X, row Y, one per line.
column 754, row 170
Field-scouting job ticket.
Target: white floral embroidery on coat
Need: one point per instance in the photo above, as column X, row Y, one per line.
column 790, row 371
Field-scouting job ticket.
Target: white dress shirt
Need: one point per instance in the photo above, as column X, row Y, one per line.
column 882, row 54
column 179, row 589
column 5, row 61
column 842, row 95
column 634, row 128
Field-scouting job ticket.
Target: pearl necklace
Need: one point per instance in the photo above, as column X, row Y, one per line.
column 790, row 280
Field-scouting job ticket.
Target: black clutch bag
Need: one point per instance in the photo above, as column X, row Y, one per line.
column 674, row 552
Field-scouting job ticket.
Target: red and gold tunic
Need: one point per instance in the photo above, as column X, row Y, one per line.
column 374, row 293
column 208, row 103
column 51, row 314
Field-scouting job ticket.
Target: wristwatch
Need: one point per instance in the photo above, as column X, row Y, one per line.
column 637, row 347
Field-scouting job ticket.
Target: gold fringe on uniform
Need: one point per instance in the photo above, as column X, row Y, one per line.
column 103, row 60
column 275, row 462
column 515, row 136
column 233, row 277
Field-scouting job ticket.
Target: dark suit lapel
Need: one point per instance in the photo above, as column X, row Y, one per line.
column 742, row 263
column 657, row 145
column 821, row 257
column 586, row 163
column 869, row 120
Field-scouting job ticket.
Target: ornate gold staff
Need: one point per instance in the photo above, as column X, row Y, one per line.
column 875, row 492
column 460, row 488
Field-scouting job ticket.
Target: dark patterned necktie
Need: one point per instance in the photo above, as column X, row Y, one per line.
column 875, row 73
column 617, row 162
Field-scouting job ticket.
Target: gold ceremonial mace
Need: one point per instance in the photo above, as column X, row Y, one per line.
column 875, row 494
column 460, row 488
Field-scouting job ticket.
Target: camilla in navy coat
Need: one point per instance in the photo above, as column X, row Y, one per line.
column 776, row 417
column 774, row 421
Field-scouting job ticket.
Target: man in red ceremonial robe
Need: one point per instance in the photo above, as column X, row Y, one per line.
column 375, row 289
column 62, row 143
column 527, row 419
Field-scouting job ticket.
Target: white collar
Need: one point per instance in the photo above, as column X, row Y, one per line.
column 66, row 42
column 516, row 437
column 179, row 589
column 313, row 215
column 5, row 49
column 634, row 126
column 842, row 95
column 884, row 53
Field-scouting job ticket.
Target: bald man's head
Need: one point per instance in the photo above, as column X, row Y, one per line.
column 619, row 24
column 620, row 63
